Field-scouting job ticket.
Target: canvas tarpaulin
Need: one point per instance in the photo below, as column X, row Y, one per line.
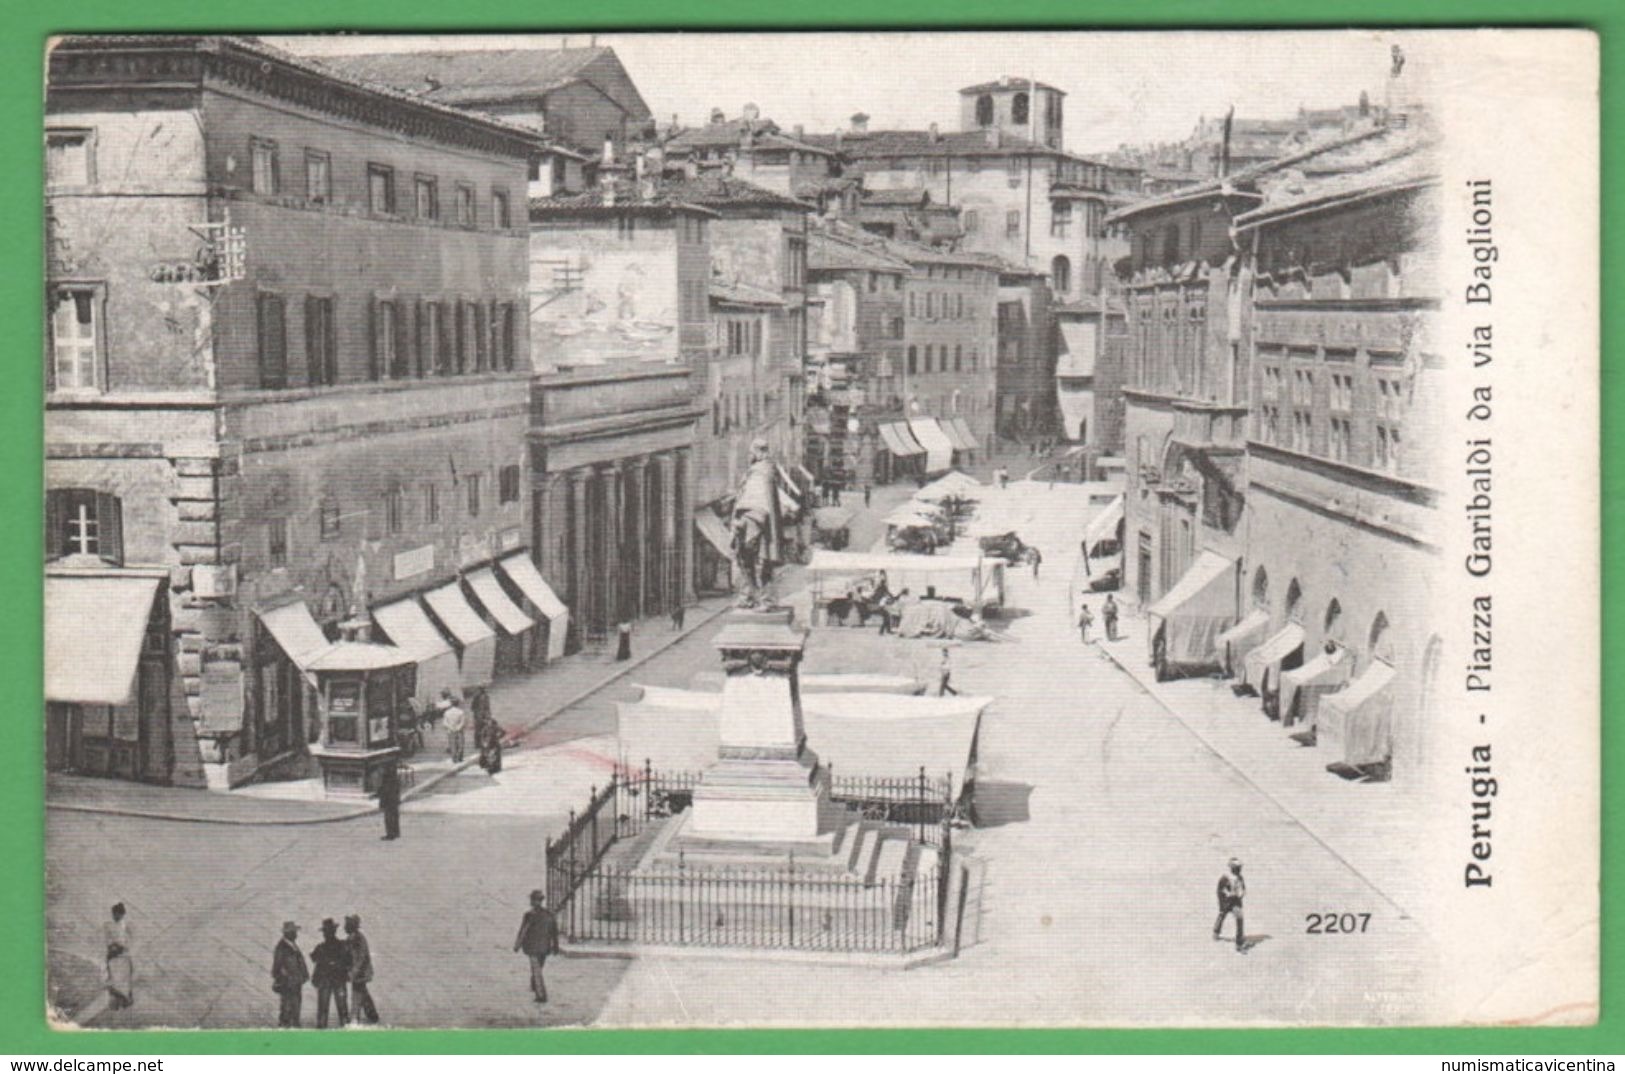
column 1103, row 527
column 864, row 734
column 939, row 450
column 1197, row 609
column 478, row 641
column 1264, row 662
column 972, row 579
column 1305, row 685
column 524, row 574
column 899, row 441
column 837, row 683
column 1235, row 643
column 408, row 627
column 94, row 627
column 1360, row 717
column 953, row 483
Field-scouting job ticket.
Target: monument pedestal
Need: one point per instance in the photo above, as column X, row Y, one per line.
column 765, row 793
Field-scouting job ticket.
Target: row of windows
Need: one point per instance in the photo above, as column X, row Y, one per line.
column 396, row 507
column 743, row 410
column 940, row 305
column 383, row 188
column 1094, row 220
column 742, row 337
column 426, row 337
column 1381, row 452
column 937, row 358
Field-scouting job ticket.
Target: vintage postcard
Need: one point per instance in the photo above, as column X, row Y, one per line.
column 840, row 529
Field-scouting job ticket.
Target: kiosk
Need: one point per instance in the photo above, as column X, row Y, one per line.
column 361, row 687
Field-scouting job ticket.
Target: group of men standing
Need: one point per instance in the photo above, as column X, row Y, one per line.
column 340, row 970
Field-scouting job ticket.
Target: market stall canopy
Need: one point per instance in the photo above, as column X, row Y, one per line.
column 959, row 434
column 833, row 518
column 939, row 450
column 899, row 441
column 1103, row 527
column 1240, row 638
column 408, row 626
column 361, row 656
column 837, row 683
column 488, row 591
column 912, row 513
column 524, row 574
column 1265, row 659
column 973, row 579
column 1197, row 609
column 478, row 641
column 863, row 734
column 1327, row 671
column 952, row 483
column 1359, row 718
column 715, row 534
column 94, row 628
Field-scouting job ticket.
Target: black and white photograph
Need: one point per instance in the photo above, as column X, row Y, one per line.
column 996, row 528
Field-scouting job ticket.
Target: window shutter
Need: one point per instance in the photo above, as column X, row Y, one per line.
column 373, row 370
column 421, row 332
column 401, row 363
column 443, row 357
column 313, row 341
column 110, row 528
column 330, row 329
column 462, row 336
column 55, row 523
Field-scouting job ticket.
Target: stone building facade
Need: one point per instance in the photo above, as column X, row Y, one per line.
column 288, row 368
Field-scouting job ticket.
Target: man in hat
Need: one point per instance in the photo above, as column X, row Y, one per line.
column 389, row 801
column 945, row 674
column 331, row 974
column 288, row 975
column 1232, row 891
column 360, row 971
column 538, row 937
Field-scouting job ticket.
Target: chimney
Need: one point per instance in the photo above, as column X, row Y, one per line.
column 609, row 152
column 751, row 113
column 936, row 135
column 718, row 116
column 860, row 122
column 800, row 132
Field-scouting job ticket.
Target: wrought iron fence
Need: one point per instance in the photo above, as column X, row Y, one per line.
column 584, row 841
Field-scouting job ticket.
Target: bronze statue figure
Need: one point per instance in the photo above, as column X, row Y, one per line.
column 756, row 528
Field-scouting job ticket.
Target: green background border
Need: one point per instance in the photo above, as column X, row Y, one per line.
column 26, row 27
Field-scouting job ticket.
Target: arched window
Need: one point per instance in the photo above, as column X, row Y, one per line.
column 1331, row 626
column 984, row 110
column 1018, row 109
column 1379, row 642
column 1261, row 589
column 1061, row 274
column 1294, row 601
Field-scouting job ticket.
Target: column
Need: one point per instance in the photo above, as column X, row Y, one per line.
column 672, row 518
column 575, row 559
column 610, row 542
column 637, row 526
column 682, row 498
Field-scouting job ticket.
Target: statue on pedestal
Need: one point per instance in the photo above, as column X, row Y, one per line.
column 756, row 527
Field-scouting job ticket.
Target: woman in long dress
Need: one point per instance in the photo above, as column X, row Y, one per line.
column 120, row 970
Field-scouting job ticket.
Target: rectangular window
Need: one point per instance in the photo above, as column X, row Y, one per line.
column 84, row 522
column 394, row 510
column 465, row 205
column 431, row 503
column 508, row 484
column 276, row 542
column 76, row 338
column 329, row 519
column 1012, row 224
column 380, row 188
column 472, row 481
column 394, row 354
column 273, row 341
column 911, row 312
column 1060, row 221
column 913, row 359
column 1340, row 439
column 321, row 341
column 959, row 358
column 262, row 151
column 318, row 177
column 426, row 197
column 461, row 332
column 970, row 220
column 478, row 321
column 509, row 337
column 70, row 158
column 499, row 209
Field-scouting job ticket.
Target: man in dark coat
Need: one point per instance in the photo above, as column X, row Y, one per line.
column 538, row 937
column 360, row 971
column 389, row 801
column 288, row 975
column 331, row 974
column 1232, row 892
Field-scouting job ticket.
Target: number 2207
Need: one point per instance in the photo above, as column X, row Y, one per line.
column 1325, row 924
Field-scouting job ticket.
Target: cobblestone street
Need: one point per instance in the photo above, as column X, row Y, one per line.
column 1093, row 902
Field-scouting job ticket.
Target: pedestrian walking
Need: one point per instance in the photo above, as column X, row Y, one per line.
column 288, row 975
column 455, row 721
column 623, row 645
column 479, row 703
column 442, row 703
column 1232, row 892
column 360, row 971
column 945, row 673
column 490, row 745
column 330, row 973
column 389, row 801
column 678, row 610
column 1108, row 614
column 1035, row 557
column 120, row 970
column 1085, row 618
column 867, row 490
column 538, row 937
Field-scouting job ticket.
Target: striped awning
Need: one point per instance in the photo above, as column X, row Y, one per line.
column 959, row 433
column 899, row 441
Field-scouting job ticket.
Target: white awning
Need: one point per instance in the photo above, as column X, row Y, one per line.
column 939, row 450
column 296, row 631
column 1199, row 590
column 488, row 591
column 407, row 625
column 1240, row 637
column 1103, row 527
column 524, row 574
column 94, row 627
column 899, row 441
column 1326, row 671
column 1264, row 660
column 1078, row 348
column 952, row 483
column 1360, row 716
column 959, row 433
column 478, row 641
column 715, row 534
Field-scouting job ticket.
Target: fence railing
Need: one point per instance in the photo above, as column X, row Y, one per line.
column 777, row 908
